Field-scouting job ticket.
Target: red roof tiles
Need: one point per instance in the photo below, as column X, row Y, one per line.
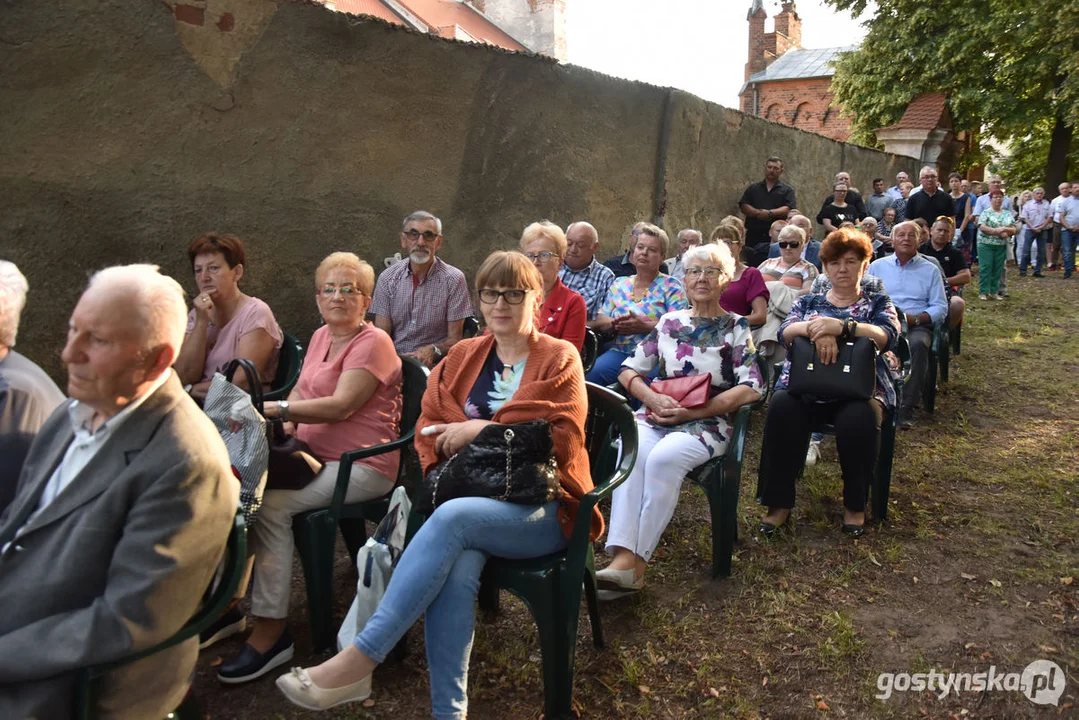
column 925, row 112
column 446, row 18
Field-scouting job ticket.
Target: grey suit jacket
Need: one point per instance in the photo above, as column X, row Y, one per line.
column 116, row 563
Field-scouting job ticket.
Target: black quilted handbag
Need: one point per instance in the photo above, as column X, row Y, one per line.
column 515, row 463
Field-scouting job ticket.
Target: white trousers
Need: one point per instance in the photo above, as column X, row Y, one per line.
column 643, row 505
column 272, row 544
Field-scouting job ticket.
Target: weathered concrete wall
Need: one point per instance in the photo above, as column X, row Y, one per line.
column 127, row 130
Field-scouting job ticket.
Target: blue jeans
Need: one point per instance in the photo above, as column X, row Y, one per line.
column 1068, row 239
column 439, row 575
column 1030, row 237
column 607, row 367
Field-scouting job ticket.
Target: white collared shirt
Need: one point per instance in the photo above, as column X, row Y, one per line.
column 86, row 443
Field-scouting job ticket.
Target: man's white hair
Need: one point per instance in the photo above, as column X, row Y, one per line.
column 13, row 287
column 157, row 299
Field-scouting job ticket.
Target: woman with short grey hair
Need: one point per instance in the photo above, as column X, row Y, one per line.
column 672, row 439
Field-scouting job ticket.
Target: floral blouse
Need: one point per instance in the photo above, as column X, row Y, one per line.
column 664, row 295
column 869, row 308
column 994, row 219
column 494, row 387
column 684, row 345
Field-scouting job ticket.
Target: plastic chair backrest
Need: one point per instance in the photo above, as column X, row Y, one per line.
column 609, row 420
column 590, row 349
column 289, row 361
column 413, row 385
column 217, row 598
column 471, row 328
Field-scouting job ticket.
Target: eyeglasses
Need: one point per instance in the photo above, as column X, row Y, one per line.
column 783, row 244
column 513, row 297
column 542, row 257
column 415, row 235
column 346, row 291
column 709, row 272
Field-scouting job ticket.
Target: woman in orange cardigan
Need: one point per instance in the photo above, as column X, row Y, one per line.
column 513, row 374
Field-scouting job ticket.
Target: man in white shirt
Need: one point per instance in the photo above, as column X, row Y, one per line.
column 687, row 238
column 1069, row 223
column 1065, row 190
column 120, row 517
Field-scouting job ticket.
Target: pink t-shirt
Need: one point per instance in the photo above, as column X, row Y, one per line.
column 738, row 296
column 377, row 421
column 223, row 344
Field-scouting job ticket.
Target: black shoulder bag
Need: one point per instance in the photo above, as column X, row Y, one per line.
column 515, row 463
column 853, row 376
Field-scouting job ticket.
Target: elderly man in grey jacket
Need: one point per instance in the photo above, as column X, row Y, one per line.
column 120, row 517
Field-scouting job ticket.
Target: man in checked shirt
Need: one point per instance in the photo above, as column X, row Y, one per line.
column 422, row 302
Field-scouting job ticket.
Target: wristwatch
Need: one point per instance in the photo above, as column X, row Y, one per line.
column 283, row 410
column 917, row 320
column 438, row 352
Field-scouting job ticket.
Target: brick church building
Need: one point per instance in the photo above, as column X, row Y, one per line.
column 786, row 83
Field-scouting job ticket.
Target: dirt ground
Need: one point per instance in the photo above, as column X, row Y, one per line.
column 973, row 569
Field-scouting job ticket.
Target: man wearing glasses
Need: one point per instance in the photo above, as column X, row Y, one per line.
column 932, row 201
column 422, row 302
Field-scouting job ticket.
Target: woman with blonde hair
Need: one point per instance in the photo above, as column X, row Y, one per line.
column 563, row 313
column 348, row 397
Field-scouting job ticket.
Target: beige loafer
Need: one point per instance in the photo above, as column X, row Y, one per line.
column 300, row 690
column 618, row 580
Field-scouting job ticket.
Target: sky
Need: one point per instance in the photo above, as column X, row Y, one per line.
column 694, row 45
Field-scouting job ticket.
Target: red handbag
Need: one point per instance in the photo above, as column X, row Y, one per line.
column 691, row 391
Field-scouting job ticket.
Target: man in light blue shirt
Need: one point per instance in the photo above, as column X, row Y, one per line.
column 894, row 192
column 916, row 287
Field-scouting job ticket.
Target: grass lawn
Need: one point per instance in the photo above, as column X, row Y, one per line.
column 974, row 568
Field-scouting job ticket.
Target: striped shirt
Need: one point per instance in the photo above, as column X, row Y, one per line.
column 421, row 316
column 591, row 282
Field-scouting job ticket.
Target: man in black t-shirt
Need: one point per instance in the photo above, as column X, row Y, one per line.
column 765, row 202
column 952, row 264
column 932, row 201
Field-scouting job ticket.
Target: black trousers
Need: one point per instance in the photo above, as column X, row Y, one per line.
column 786, row 440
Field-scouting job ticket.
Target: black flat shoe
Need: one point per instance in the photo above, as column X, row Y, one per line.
column 853, row 531
column 249, row 664
column 769, row 530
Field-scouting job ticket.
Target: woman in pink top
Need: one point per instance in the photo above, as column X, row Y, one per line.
column 348, row 397
column 224, row 323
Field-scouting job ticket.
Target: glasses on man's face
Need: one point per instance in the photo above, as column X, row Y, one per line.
column 709, row 272
column 414, row 235
column 346, row 291
column 541, row 257
column 513, row 297
column 784, row 244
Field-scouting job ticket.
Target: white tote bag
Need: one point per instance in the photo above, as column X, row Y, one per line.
column 375, row 562
column 243, row 429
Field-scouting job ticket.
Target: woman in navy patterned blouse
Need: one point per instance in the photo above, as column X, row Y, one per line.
column 846, row 254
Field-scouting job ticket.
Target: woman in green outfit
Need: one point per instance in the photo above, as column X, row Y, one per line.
column 995, row 227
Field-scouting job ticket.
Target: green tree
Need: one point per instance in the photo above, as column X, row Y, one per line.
column 1006, row 66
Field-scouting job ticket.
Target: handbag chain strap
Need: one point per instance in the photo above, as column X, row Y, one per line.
column 508, row 435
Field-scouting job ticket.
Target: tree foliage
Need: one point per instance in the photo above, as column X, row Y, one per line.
column 1008, row 67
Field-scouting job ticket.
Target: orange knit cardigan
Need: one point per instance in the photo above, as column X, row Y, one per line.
column 552, row 388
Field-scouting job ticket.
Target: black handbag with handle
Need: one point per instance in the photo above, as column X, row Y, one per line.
column 853, row 376
column 515, row 463
column 292, row 465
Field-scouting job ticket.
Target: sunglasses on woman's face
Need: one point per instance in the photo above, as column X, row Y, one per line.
column 783, row 244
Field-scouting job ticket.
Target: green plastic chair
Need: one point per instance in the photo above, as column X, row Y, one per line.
column 315, row 531
column 471, row 328
column 937, row 363
column 721, row 480
column 289, row 361
column 551, row 585
column 87, row 685
column 590, row 349
column 882, row 476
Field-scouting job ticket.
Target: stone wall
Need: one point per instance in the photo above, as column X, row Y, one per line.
column 131, row 126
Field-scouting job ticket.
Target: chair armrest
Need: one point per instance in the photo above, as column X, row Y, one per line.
column 344, row 472
column 732, row 459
